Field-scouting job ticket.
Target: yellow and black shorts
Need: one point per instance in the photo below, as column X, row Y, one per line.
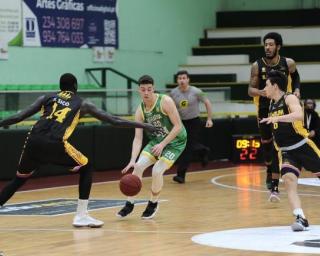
column 40, row 150
column 306, row 156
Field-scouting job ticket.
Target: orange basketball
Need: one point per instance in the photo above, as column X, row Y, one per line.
column 130, row 185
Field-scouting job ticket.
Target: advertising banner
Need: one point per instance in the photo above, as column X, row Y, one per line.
column 70, row 23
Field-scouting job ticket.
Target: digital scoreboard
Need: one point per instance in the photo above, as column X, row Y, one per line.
column 246, row 149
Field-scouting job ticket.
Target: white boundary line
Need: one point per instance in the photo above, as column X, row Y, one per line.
column 97, row 230
column 215, row 182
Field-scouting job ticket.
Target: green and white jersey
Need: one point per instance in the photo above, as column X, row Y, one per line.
column 158, row 118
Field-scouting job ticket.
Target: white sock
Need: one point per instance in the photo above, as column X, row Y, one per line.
column 298, row 211
column 130, row 199
column 154, row 198
column 82, row 208
column 157, row 177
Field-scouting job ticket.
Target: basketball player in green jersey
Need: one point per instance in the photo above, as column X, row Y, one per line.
column 47, row 142
column 164, row 147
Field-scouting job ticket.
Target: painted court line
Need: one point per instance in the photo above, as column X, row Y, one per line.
column 215, row 182
column 2, row 230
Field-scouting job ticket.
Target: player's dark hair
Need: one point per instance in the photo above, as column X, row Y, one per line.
column 275, row 36
column 145, row 79
column 182, row 72
column 279, row 78
column 68, row 82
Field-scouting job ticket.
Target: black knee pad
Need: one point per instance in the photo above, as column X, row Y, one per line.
column 285, row 170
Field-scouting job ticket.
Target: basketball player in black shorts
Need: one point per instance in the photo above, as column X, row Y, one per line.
column 259, row 70
column 47, row 142
column 291, row 139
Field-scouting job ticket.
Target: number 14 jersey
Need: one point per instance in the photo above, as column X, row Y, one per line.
column 60, row 116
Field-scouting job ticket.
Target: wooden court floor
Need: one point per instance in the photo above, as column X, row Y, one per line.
column 212, row 200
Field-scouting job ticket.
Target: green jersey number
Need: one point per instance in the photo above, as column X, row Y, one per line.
column 169, row 155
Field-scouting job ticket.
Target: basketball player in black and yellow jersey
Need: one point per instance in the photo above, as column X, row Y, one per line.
column 47, row 142
column 259, row 71
column 291, row 139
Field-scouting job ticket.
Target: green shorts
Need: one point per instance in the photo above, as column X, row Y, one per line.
column 169, row 154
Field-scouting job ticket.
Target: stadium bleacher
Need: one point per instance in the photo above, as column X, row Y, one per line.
column 230, row 49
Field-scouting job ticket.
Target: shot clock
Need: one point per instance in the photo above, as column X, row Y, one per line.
column 246, row 149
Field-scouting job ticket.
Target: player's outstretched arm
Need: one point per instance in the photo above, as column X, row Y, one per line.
column 89, row 108
column 23, row 114
column 296, row 112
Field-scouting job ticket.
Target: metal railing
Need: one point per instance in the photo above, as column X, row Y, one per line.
column 103, row 82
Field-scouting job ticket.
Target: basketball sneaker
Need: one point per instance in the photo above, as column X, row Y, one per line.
column 178, row 179
column 274, row 192
column 86, row 221
column 300, row 224
column 150, row 211
column 274, row 196
column 126, row 210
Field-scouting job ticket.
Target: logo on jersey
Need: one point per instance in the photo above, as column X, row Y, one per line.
column 65, row 95
column 264, row 73
column 184, row 104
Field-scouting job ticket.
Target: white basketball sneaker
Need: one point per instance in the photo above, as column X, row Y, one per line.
column 274, row 197
column 86, row 221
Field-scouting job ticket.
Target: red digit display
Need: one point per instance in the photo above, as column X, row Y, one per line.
column 253, row 154
column 246, row 148
column 244, row 154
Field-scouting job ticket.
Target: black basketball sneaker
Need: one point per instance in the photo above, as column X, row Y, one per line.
column 150, row 211
column 126, row 210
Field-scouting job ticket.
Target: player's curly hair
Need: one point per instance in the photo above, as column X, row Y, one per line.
column 275, row 36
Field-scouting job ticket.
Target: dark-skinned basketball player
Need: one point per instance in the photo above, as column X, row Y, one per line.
column 259, row 70
column 47, row 142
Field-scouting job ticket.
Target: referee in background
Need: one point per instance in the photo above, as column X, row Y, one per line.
column 187, row 99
